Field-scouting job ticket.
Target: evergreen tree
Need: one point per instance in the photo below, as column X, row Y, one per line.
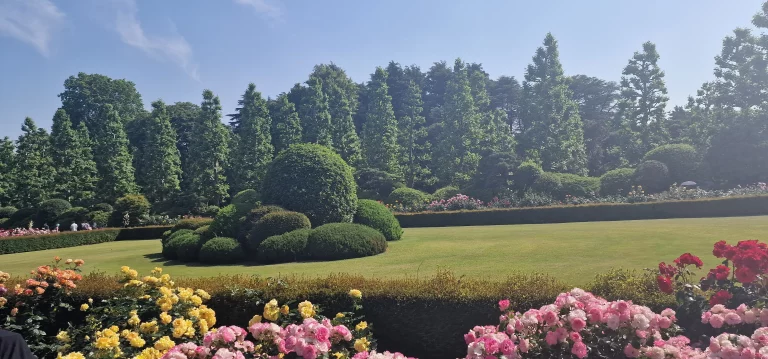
column 183, row 117
column 456, row 153
column 505, row 94
column 286, row 127
column 314, row 115
column 85, row 95
column 161, row 174
column 114, row 161
column 252, row 150
column 412, row 138
column 7, row 181
column 380, row 129
column 73, row 159
column 210, row 146
column 597, row 108
column 435, row 88
column 643, row 103
column 344, row 137
column 495, row 133
column 551, row 127
column 33, row 170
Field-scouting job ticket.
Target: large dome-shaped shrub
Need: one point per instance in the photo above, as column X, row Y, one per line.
column 377, row 216
column 344, row 240
column 273, row 224
column 104, row 207
column 313, row 180
column 252, row 217
column 617, row 182
column 175, row 234
column 135, row 205
column 221, row 250
column 548, row 183
column 409, row 197
column 100, row 218
column 205, row 233
column 288, row 247
column 577, row 186
column 526, row 175
column 682, row 161
column 653, row 176
column 50, row 210
column 445, row 193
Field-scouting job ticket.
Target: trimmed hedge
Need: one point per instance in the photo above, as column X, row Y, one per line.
column 274, row 224
column 344, row 240
column 288, row 247
column 377, row 216
column 682, row 161
column 252, row 217
column 221, row 250
column 711, row 207
column 10, row 245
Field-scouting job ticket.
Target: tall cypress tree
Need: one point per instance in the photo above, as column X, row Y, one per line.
column 209, row 181
column 73, row 159
column 456, row 154
column 33, row 168
column 183, row 117
column 495, row 133
column 380, row 129
column 114, row 161
column 412, row 138
column 7, row 181
column 314, row 115
column 286, row 126
column 253, row 141
column 551, row 128
column 344, row 137
column 161, row 162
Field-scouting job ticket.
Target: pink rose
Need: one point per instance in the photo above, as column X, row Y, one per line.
column 716, row 321
column 469, row 338
column 508, row 347
column 504, row 304
column 322, row 334
column 732, row 318
column 523, row 346
column 550, row 317
column 705, row 317
column 631, row 352
column 664, row 322
column 579, row 350
column 714, row 345
column 578, row 324
column 595, row 315
column 575, row 337
column 491, row 345
column 551, row 338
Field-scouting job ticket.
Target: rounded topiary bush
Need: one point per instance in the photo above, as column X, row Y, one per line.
column 205, row 233
column 75, row 214
column 50, row 210
column 246, row 200
column 445, row 192
column 221, row 250
column 99, row 217
column 192, row 223
column 227, row 222
column 188, row 247
column 526, row 175
column 653, row 176
column 209, row 211
column 252, row 217
column 313, row 180
column 344, row 240
column 682, row 161
column 7, row 212
column 409, row 197
column 578, row 186
column 276, row 223
column 172, row 244
column 377, row 216
column 104, row 207
column 548, row 183
column 288, row 247
column 178, row 233
column 165, row 235
column 617, row 182
column 135, row 205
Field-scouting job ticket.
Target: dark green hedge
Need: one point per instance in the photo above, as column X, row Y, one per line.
column 73, row 239
column 712, row 207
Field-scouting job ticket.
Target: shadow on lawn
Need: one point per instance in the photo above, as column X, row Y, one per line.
column 158, row 258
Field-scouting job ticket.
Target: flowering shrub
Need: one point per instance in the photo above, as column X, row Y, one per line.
column 17, row 232
column 457, row 202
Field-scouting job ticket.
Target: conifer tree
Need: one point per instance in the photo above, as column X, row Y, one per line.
column 551, row 128
column 344, row 137
column 161, row 174
column 114, row 161
column 314, row 115
column 252, row 150
column 412, row 137
column 6, row 171
column 286, row 127
column 33, row 170
column 210, row 151
column 380, row 145
column 73, row 159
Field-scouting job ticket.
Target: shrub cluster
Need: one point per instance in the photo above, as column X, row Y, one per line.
column 408, row 197
column 288, row 247
column 221, row 250
column 377, row 216
column 334, row 241
column 192, row 223
column 135, row 205
column 246, row 200
column 273, row 224
column 617, row 182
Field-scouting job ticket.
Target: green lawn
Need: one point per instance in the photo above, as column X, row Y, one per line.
column 573, row 252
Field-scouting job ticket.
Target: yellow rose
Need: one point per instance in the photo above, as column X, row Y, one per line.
column 338, row 355
column 284, row 310
column 339, row 315
column 149, row 353
column 165, row 318
column 74, row 355
column 63, row 337
column 361, row 326
column 203, row 294
column 354, row 293
column 193, row 313
column 114, row 329
column 271, row 311
column 361, row 345
column 196, row 300
column 134, row 321
column 149, row 327
column 137, row 342
column 84, row 307
column 256, row 319
column 306, row 309
column 164, row 344
column 203, row 324
column 157, row 270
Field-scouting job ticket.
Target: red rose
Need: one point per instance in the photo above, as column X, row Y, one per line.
column 745, row 275
column 665, row 284
column 720, row 272
column 667, row 269
column 720, row 297
column 720, row 249
column 687, row 259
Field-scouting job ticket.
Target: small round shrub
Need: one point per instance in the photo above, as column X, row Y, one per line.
column 7, row 212
column 288, row 247
column 526, row 175
column 75, row 214
column 682, row 161
column 548, row 183
column 192, row 223
column 104, row 207
column 377, row 216
column 221, row 250
column 227, row 222
column 205, row 233
column 314, row 180
column 252, row 217
column 50, row 210
column 135, row 205
column 178, row 233
column 653, row 176
column 99, row 217
column 577, row 186
column 246, row 200
column 445, row 193
column 171, row 246
column 617, row 182
column 188, row 247
column 344, row 240
column 273, row 224
column 409, row 197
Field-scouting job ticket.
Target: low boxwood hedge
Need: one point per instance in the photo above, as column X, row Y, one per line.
column 288, row 247
column 377, row 216
column 221, row 250
column 703, row 208
column 344, row 240
column 10, row 245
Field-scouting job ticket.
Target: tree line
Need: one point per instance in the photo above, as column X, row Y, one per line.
column 425, row 128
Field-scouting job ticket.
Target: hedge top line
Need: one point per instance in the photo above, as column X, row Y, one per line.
column 54, row 234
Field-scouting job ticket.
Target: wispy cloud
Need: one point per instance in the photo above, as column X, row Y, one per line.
column 262, row 7
column 172, row 48
column 30, row 21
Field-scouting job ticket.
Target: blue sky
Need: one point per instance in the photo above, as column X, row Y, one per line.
column 173, row 49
